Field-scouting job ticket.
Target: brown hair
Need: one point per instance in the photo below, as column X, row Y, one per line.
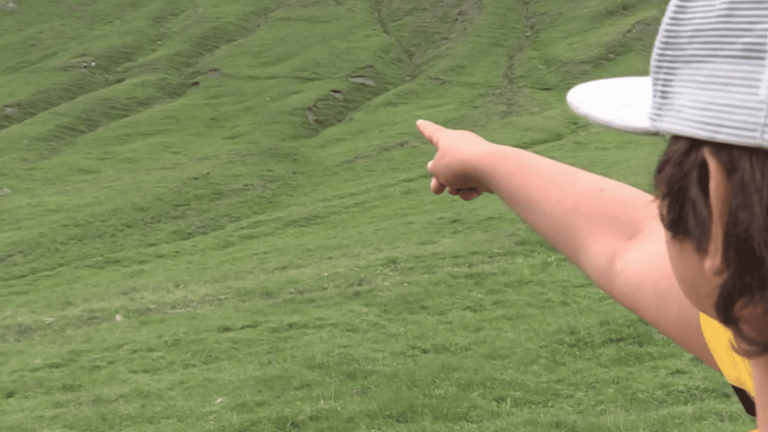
column 682, row 188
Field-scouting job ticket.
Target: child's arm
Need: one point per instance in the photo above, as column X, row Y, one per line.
column 610, row 230
column 588, row 218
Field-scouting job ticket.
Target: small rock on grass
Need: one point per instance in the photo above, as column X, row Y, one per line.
column 362, row 80
column 8, row 6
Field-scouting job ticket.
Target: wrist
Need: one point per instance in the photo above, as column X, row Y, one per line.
column 488, row 162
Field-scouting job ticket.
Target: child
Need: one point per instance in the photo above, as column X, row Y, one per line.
column 693, row 259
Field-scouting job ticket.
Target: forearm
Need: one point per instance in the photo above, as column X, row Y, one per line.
column 587, row 217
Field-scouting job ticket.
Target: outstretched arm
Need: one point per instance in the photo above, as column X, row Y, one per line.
column 587, row 217
column 610, row 230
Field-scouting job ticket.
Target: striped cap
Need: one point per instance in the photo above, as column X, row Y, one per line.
column 709, row 77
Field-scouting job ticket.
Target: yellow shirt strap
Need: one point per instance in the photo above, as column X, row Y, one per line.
column 734, row 367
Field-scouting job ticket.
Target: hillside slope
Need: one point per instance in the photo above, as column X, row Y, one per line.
column 219, row 219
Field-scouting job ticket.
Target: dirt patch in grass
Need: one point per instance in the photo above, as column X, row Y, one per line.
column 361, row 79
column 8, row 6
column 338, row 94
column 336, row 106
column 214, row 73
column 81, row 65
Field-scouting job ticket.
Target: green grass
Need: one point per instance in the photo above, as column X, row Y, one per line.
column 226, row 180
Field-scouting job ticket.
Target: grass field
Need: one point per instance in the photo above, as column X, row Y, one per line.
column 216, row 216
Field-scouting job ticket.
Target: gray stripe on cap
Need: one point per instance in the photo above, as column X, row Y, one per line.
column 710, row 71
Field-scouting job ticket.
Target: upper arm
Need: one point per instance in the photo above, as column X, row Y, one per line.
column 641, row 279
column 760, row 377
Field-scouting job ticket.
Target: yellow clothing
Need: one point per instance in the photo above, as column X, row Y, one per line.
column 734, row 367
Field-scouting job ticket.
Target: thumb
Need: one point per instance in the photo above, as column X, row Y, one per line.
column 431, row 131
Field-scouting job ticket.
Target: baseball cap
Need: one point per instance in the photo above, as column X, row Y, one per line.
column 708, row 78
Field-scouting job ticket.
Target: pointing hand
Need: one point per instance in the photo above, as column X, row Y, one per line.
column 458, row 162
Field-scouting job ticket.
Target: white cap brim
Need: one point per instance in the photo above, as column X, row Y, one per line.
column 617, row 103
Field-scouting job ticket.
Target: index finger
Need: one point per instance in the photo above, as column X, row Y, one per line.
column 431, row 131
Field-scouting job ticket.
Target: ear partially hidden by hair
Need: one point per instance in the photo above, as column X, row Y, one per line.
column 682, row 189
column 719, row 191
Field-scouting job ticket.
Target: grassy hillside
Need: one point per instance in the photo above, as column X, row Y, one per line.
column 217, row 217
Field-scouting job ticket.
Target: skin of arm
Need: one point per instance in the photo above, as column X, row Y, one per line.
column 760, row 376
column 587, row 217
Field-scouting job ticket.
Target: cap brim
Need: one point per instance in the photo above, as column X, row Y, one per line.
column 617, row 103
